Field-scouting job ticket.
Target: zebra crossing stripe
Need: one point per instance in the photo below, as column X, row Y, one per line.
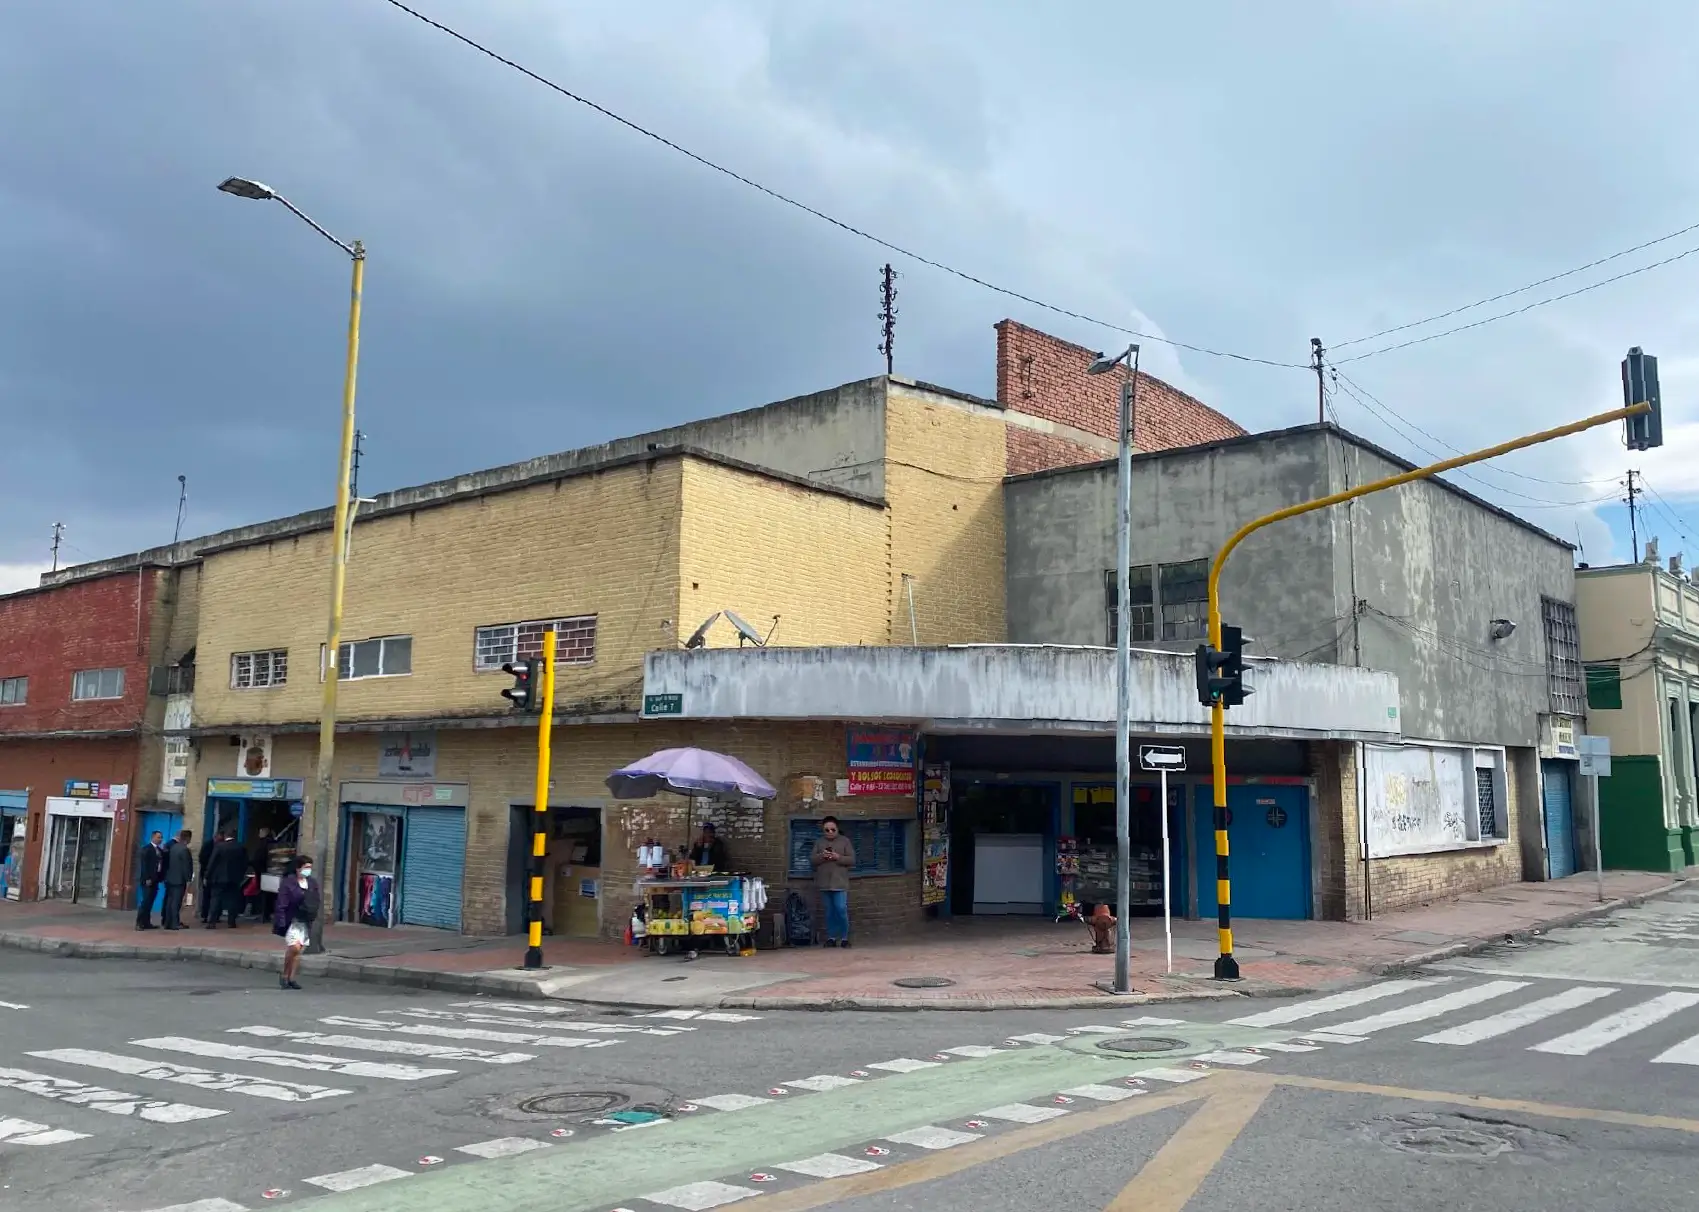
column 398, row 1047
column 534, row 1024
column 13, row 1006
column 204, row 1205
column 1618, row 1026
column 1024, row 1113
column 322, row 1062
column 502, row 1146
column 1432, row 1008
column 932, row 1137
column 731, row 1102
column 483, row 1034
column 1684, row 1053
column 903, row 1064
column 353, row 1180
column 823, row 1082
column 203, row 1079
column 26, row 1132
column 828, row 1165
column 95, row 1098
column 1521, row 1016
column 1316, row 1007
column 699, row 1197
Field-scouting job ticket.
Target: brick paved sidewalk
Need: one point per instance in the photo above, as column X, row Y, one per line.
column 987, row 962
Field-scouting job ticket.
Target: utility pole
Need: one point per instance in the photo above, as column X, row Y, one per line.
column 58, row 530
column 1633, row 520
column 182, row 500
column 888, row 315
column 1316, row 352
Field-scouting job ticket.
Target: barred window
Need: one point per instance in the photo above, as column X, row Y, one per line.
column 257, row 670
column 575, row 642
column 1563, row 657
column 1141, row 607
column 1184, row 590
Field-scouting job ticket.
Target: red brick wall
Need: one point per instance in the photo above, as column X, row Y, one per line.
column 47, row 635
column 1043, row 376
column 43, row 766
column 1030, row 451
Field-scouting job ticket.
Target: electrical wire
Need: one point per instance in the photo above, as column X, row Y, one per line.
column 840, row 224
column 1675, row 519
column 1568, row 273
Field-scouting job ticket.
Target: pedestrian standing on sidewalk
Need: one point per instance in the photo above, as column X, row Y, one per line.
column 150, row 866
column 833, row 859
column 225, row 876
column 204, row 909
column 179, row 874
column 298, row 904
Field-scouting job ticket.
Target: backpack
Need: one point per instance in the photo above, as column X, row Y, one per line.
column 799, row 921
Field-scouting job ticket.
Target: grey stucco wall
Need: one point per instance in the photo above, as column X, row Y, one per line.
column 1433, row 569
column 1278, row 585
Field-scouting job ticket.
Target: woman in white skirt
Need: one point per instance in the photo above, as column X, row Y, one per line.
column 298, row 904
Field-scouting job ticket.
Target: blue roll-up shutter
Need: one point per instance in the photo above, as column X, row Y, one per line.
column 1560, row 820
column 433, row 862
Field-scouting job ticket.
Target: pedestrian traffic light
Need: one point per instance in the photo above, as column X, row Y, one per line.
column 1221, row 672
column 1640, row 385
column 527, row 689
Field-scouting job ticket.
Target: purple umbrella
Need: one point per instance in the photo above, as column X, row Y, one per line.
column 688, row 772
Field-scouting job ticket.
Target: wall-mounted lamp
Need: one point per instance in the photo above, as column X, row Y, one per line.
column 1501, row 629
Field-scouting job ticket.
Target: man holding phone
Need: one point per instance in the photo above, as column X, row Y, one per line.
column 834, row 859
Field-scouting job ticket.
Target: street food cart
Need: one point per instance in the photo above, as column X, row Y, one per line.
column 678, row 911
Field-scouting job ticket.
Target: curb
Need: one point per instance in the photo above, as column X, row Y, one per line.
column 1476, row 945
column 1093, row 1001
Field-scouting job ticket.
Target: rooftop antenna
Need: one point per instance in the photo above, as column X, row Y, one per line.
column 888, row 315
column 354, row 476
column 58, row 530
column 699, row 637
column 745, row 631
column 182, row 500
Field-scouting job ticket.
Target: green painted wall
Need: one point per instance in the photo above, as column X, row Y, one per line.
column 1631, row 808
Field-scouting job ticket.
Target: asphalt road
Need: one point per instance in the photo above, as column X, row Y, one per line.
column 1556, row 1075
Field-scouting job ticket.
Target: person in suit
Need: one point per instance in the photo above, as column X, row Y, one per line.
column 225, row 875
column 205, row 908
column 179, row 874
column 150, row 867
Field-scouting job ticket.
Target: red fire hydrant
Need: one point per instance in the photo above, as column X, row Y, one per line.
column 1102, row 923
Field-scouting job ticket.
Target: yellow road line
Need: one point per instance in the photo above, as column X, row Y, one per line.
column 1170, row 1179
column 1550, row 1110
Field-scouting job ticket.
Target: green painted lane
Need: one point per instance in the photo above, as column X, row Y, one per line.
column 596, row 1174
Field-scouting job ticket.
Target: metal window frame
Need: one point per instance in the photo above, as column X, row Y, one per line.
column 21, row 682
column 1566, row 681
column 1144, row 632
column 97, row 674
column 516, row 651
column 348, row 646
column 1197, row 623
column 271, row 659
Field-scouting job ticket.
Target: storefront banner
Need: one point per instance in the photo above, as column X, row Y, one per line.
column 881, row 762
column 84, row 789
column 935, row 833
column 257, row 789
column 80, row 806
column 407, row 755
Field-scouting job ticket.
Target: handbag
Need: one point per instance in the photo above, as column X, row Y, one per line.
column 252, row 887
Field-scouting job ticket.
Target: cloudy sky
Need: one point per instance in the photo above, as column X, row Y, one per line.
column 1240, row 176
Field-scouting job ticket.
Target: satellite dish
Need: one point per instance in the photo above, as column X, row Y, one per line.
column 744, row 630
column 700, row 635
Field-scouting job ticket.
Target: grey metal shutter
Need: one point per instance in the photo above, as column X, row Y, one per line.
column 433, row 862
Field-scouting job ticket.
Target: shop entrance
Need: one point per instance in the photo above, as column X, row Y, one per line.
column 1094, row 838
column 167, row 824
column 405, row 862
column 572, row 881
column 1003, row 847
column 14, row 809
column 1268, row 849
column 77, row 852
column 376, row 842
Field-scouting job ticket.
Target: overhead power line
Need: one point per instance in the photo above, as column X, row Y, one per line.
column 840, row 224
column 1568, row 273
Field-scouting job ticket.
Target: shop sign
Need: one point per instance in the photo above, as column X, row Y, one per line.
column 256, row 789
column 407, row 755
column 83, row 789
column 881, row 761
column 253, row 756
column 663, row 704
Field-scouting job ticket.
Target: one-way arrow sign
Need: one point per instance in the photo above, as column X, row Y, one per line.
column 1162, row 757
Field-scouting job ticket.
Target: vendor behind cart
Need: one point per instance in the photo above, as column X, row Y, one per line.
column 709, row 851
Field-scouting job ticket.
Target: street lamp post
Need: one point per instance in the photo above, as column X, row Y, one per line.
column 1123, row 655
column 320, row 813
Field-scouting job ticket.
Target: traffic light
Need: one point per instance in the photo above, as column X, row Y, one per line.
column 1640, row 385
column 1221, row 672
column 526, row 693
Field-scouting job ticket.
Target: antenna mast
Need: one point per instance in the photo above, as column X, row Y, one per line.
column 888, row 315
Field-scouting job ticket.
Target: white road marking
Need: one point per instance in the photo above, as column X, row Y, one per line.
column 1549, row 975
column 824, row 1081
column 1281, row 1046
column 204, row 1205
column 536, row 1024
column 1522, row 1016
column 399, row 1047
column 477, row 1033
column 353, row 1180
column 503, row 1146
column 1178, row 1077
column 1097, row 1030
column 671, row 1014
column 698, row 1197
column 1333, row 1037
column 25, row 1132
column 932, row 1137
column 1024, row 1113
column 203, row 1079
column 1231, row 1056
column 1315, row 1007
column 13, row 1006
column 1684, row 1053
column 1618, row 1026
column 96, row 1098
column 828, row 1165
column 731, row 1102
column 1148, row 1021
column 1432, row 1008
column 1036, row 1037
column 1102, row 1094
column 903, row 1064
column 976, row 1051
column 323, row 1062
column 726, row 1016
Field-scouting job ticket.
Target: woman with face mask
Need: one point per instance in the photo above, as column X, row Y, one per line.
column 298, row 904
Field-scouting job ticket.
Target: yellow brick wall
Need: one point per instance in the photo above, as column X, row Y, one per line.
column 603, row 544
column 183, row 600
column 764, row 547
column 944, row 482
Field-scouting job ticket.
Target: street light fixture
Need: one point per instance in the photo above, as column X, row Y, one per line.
column 1123, row 656
column 320, row 815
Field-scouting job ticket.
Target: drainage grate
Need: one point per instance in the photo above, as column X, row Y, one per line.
column 923, row 982
column 574, row 1102
column 1142, row 1045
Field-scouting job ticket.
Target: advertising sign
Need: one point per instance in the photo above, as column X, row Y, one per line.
column 881, row 761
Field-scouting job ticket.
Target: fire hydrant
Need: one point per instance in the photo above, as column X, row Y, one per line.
column 1102, row 923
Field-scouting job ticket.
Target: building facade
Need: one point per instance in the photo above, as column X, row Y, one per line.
column 1469, row 607
column 1640, row 644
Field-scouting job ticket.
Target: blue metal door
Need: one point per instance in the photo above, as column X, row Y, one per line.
column 433, row 862
column 167, row 823
column 1560, row 820
column 1268, row 850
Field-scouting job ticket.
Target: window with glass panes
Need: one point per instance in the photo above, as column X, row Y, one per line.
column 1140, row 608
column 497, row 645
column 385, row 657
column 13, row 691
column 98, row 684
column 1563, row 657
column 1183, row 591
column 257, row 670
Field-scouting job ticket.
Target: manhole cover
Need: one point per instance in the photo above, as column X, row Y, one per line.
column 923, row 982
column 1461, row 1137
column 1143, row 1045
column 574, row 1102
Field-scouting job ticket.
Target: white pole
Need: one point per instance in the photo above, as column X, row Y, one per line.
column 1598, row 849
column 1167, row 909
column 1123, row 678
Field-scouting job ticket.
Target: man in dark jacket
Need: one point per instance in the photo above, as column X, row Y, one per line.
column 205, row 868
column 150, row 866
column 179, row 874
column 226, row 874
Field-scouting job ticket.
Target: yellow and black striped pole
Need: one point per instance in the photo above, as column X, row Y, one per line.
column 540, row 803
